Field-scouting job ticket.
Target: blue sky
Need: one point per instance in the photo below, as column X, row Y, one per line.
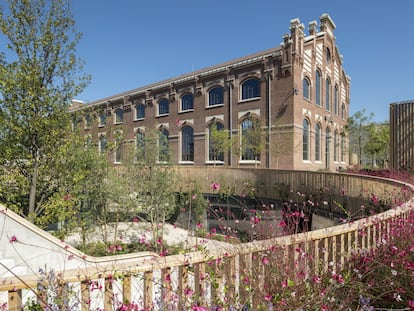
column 131, row 43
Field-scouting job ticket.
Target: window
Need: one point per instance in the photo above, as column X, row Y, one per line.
column 250, row 89
column 317, row 142
column 187, row 102
column 327, row 147
column 336, row 146
column 343, row 114
column 140, row 145
column 342, row 147
column 163, row 107
column 119, row 116
column 139, row 111
column 215, row 143
column 305, row 143
column 163, row 148
column 102, row 144
column 306, row 87
column 336, row 98
column 318, row 88
column 216, row 96
column 88, row 121
column 102, row 119
column 250, row 140
column 328, row 55
column 187, row 146
column 118, row 150
column 328, row 95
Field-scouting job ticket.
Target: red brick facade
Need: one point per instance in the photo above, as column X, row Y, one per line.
column 268, row 86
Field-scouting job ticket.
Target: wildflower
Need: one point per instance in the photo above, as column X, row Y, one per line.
column 267, row 297
column 13, row 239
column 394, row 272
column 317, row 279
column 215, row 186
column 159, row 241
column 188, row 291
column 194, row 196
column 265, row 261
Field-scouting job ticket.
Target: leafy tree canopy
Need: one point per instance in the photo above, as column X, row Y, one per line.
column 39, row 75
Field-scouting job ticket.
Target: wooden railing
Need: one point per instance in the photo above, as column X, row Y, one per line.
column 216, row 275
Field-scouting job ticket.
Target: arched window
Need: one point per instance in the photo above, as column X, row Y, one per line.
column 118, row 150
column 102, row 119
column 250, row 140
column 343, row 112
column 336, row 99
column 328, row 148
column 342, row 147
column 305, row 142
column 318, row 142
column 140, row 111
column 187, row 102
column 102, row 143
column 119, row 116
column 318, row 88
column 328, row 55
column 216, row 96
column 88, row 121
column 250, row 89
column 140, row 145
column 336, row 146
column 187, row 147
column 163, row 107
column 163, row 147
column 216, row 142
column 306, row 89
column 328, row 95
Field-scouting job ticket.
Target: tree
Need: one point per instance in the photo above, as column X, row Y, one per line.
column 38, row 78
column 377, row 145
column 219, row 141
column 253, row 139
column 357, row 129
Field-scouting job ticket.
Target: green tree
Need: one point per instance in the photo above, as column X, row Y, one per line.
column 39, row 76
column 357, row 130
column 253, row 139
column 144, row 184
column 219, row 141
column 377, row 145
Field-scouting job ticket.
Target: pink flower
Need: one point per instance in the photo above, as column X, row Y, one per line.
column 13, row 239
column 317, row 279
column 198, row 308
column 159, row 241
column 194, row 196
column 215, row 186
column 265, row 261
column 267, row 297
column 188, row 291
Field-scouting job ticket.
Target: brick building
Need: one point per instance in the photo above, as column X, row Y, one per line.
column 402, row 135
column 297, row 94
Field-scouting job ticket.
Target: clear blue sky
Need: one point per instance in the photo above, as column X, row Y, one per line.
column 131, row 43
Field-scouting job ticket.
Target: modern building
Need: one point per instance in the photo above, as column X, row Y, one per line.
column 402, row 135
column 294, row 98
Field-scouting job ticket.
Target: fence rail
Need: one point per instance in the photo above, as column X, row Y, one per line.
column 219, row 275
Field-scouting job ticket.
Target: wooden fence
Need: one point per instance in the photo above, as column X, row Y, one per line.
column 220, row 275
